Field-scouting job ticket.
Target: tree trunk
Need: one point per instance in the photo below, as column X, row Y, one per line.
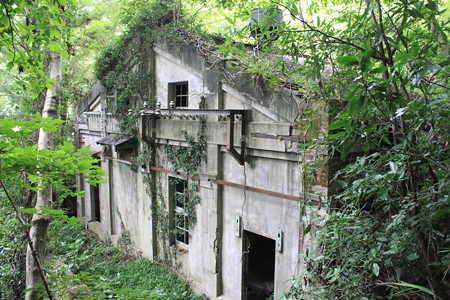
column 39, row 224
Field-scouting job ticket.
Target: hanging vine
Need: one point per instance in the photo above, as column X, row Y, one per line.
column 188, row 160
column 125, row 70
column 124, row 67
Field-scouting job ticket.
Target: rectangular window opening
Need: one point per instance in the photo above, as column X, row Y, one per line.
column 179, row 94
column 179, row 201
column 126, row 154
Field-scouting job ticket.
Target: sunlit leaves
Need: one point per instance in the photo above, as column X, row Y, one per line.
column 47, row 167
column 347, row 60
column 12, row 129
column 388, row 77
column 28, row 31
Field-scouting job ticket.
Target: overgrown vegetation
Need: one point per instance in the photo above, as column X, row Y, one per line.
column 25, row 169
column 38, row 31
column 12, row 255
column 91, row 269
column 380, row 68
column 79, row 266
column 123, row 68
column 188, row 161
column 385, row 65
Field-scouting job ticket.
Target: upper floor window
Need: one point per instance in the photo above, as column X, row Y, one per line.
column 179, row 93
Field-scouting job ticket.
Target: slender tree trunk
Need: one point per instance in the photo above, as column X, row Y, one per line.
column 40, row 222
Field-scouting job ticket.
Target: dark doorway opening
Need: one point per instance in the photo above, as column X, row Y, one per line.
column 96, row 197
column 258, row 267
column 69, row 204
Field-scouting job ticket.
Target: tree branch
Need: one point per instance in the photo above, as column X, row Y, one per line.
column 310, row 28
column 30, row 242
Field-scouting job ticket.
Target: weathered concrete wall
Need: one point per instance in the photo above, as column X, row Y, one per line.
column 261, row 214
column 172, row 71
column 214, row 258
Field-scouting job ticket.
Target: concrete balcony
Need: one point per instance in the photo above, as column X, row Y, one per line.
column 96, row 122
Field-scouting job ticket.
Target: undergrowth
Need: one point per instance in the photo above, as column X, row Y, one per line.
column 82, row 267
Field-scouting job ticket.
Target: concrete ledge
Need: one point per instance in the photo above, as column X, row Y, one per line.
column 96, row 227
column 223, row 298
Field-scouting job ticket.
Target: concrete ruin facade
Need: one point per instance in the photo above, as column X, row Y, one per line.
column 247, row 241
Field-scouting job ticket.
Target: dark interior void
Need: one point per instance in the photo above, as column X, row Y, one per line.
column 96, row 196
column 69, row 204
column 259, row 266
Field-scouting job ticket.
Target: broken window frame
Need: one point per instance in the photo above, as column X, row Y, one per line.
column 179, row 218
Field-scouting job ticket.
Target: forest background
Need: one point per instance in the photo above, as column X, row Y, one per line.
column 379, row 67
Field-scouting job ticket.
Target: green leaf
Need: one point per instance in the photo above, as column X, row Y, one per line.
column 365, row 60
column 54, row 33
column 307, row 229
column 54, row 212
column 33, row 178
column 55, row 47
column 67, row 147
column 414, row 286
column 28, row 210
column 348, row 60
column 412, row 256
column 403, row 58
column 344, row 123
column 440, row 213
column 432, row 5
column 85, row 150
column 345, row 220
column 386, row 140
column 337, row 135
column 378, row 70
column 73, row 221
column 231, row 21
column 375, row 269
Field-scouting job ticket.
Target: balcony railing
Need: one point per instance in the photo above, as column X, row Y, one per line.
column 95, row 122
column 111, row 123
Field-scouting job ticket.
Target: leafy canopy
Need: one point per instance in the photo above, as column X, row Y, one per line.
column 380, row 69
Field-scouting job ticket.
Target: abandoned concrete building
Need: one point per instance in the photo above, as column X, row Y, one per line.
column 229, row 215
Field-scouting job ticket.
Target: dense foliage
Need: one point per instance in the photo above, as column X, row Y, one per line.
column 22, row 166
column 93, row 269
column 381, row 69
column 29, row 30
column 128, row 83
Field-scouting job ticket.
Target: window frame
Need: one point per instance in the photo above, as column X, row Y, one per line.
column 178, row 92
column 179, row 233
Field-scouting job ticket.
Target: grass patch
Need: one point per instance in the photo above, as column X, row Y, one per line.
column 82, row 267
column 141, row 274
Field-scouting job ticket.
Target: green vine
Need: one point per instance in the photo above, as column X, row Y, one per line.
column 158, row 208
column 161, row 214
column 124, row 67
column 125, row 70
column 188, row 159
